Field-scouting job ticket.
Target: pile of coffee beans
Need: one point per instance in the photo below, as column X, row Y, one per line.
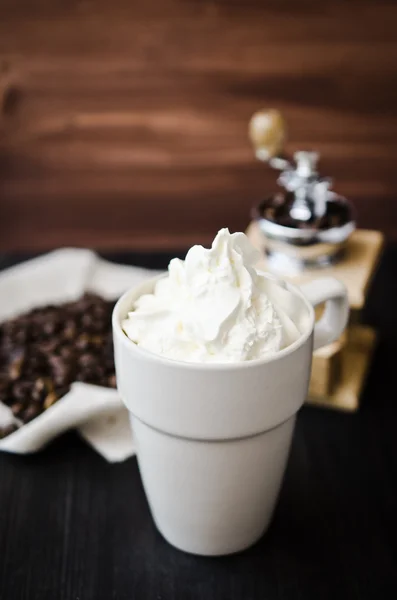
column 44, row 351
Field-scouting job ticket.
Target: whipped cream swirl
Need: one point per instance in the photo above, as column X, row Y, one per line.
column 212, row 307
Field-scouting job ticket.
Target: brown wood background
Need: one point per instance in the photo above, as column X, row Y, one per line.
column 124, row 122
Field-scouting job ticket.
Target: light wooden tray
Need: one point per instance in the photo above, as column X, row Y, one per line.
column 339, row 370
column 355, row 270
column 345, row 381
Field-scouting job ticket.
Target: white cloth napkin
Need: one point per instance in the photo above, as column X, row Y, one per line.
column 96, row 412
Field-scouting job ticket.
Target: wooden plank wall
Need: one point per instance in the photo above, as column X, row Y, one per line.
column 124, row 122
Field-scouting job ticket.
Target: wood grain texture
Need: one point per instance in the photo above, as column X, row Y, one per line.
column 128, row 124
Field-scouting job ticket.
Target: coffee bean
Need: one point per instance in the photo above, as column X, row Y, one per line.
column 35, row 363
column 83, row 342
column 38, row 393
column 49, row 400
column 7, row 430
column 15, row 368
column 91, row 374
column 43, row 351
column 47, row 347
column 17, row 353
column 70, row 329
column 21, row 336
column 31, row 412
column 41, row 387
column 17, row 408
column 9, row 328
column 61, row 370
column 49, row 328
column 22, row 390
column 87, row 360
column 91, row 324
column 96, row 341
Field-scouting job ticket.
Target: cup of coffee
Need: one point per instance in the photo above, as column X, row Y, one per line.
column 213, row 436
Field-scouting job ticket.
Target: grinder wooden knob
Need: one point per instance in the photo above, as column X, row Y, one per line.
column 267, row 132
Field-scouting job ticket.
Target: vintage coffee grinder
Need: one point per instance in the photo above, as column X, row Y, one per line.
column 307, row 231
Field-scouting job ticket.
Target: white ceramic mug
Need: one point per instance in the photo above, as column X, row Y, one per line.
column 213, row 439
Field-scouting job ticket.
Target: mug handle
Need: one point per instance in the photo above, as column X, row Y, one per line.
column 334, row 320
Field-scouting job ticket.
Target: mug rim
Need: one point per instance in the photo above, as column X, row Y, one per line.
column 213, row 366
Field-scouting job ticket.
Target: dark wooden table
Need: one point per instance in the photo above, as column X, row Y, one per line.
column 74, row 527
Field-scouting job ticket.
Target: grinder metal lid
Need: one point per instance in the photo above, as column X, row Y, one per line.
column 305, row 222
